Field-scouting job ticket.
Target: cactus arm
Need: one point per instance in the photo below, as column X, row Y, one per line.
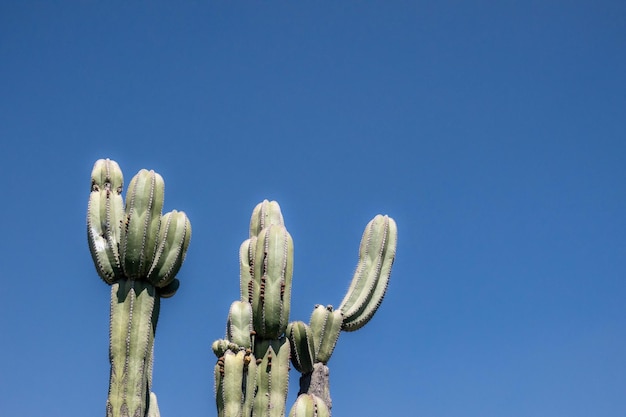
column 144, row 202
column 325, row 324
column 369, row 284
column 232, row 393
column 302, row 349
column 235, row 383
column 174, row 238
column 134, row 315
column 239, row 324
column 272, row 281
column 105, row 212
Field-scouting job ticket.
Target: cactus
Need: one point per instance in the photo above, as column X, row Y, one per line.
column 138, row 252
column 258, row 324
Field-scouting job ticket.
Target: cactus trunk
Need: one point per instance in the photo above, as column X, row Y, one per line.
column 317, row 383
column 134, row 315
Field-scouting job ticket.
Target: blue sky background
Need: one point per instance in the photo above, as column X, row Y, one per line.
column 493, row 132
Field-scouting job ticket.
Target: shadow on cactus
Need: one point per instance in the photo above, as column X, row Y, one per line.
column 138, row 251
column 252, row 370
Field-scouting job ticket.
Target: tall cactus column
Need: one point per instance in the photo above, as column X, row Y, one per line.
column 252, row 371
column 138, row 251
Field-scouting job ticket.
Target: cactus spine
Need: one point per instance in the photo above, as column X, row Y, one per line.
column 258, row 330
column 138, row 252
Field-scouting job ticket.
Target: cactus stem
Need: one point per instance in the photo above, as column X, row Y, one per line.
column 134, row 315
column 317, row 383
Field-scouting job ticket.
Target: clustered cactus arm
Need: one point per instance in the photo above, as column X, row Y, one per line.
column 366, row 292
column 257, row 323
column 138, row 252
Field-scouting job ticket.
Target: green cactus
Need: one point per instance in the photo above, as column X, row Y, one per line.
column 258, row 327
column 138, row 252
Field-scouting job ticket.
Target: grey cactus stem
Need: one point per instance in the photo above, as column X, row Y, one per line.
column 317, row 383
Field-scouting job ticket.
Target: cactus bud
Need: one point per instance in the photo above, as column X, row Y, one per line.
column 264, row 214
column 368, row 286
column 220, row 347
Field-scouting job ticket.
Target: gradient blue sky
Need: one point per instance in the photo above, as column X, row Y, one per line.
column 493, row 132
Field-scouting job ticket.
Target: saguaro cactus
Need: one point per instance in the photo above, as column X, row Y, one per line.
column 138, row 252
column 251, row 373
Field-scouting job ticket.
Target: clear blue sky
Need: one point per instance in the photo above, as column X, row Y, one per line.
column 493, row 132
